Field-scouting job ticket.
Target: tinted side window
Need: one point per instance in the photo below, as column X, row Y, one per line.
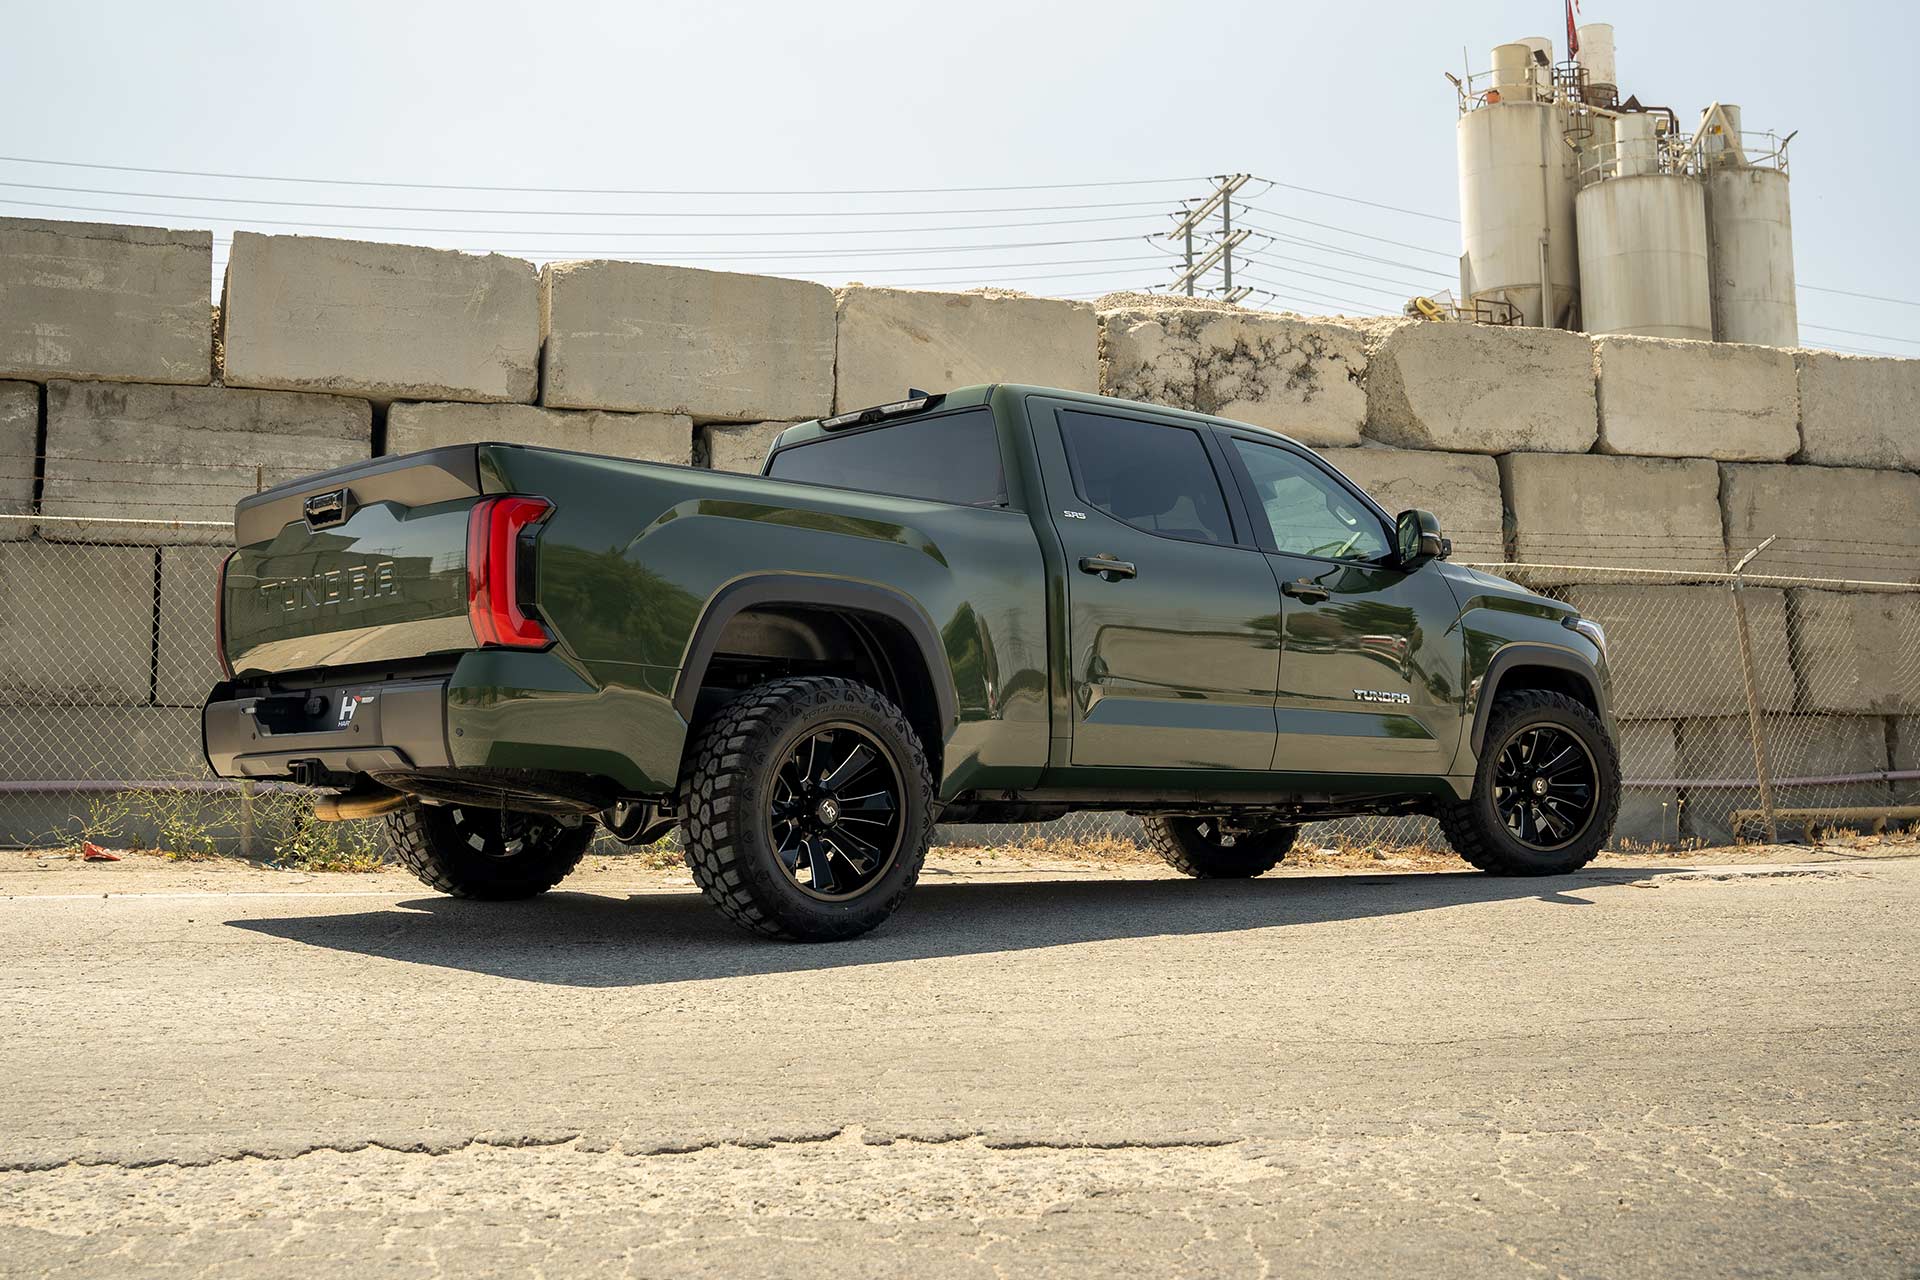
column 1153, row 476
column 1309, row 512
column 952, row 457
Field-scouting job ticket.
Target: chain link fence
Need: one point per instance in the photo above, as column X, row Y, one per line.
column 1772, row 698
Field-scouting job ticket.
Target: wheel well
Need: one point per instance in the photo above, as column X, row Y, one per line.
column 1542, row 667
column 1549, row 680
column 768, row 641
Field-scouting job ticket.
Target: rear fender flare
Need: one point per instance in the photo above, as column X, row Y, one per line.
column 815, row 593
column 1515, row 656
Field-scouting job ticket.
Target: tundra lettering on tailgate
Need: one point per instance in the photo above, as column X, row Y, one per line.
column 331, row 587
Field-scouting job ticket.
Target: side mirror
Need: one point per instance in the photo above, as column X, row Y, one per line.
column 1417, row 539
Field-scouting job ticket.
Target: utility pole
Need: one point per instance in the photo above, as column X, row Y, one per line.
column 1224, row 242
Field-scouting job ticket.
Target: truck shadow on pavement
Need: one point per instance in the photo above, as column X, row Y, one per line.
column 600, row 940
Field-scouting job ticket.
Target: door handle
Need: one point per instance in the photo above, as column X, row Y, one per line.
column 1304, row 591
column 1107, row 567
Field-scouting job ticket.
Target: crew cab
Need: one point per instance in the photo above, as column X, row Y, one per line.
column 998, row 604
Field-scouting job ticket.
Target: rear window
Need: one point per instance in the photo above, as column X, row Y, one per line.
column 952, row 457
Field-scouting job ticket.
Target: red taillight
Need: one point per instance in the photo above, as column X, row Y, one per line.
column 220, row 617
column 493, row 572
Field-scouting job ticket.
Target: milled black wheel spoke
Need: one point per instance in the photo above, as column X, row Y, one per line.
column 875, row 806
column 862, row 857
column 848, row 769
column 820, row 862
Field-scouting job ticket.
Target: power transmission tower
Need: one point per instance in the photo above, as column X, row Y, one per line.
column 1219, row 247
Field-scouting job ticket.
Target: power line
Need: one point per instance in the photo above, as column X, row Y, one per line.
column 1328, row 226
column 995, row 279
column 1365, row 307
column 590, row 191
column 1371, row 204
column 1871, row 297
column 750, row 254
column 535, row 231
column 592, row 213
column 1855, row 333
column 1261, row 255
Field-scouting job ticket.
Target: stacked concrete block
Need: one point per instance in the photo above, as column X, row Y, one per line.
column 78, row 623
column 1572, row 509
column 1857, row 411
column 1828, row 522
column 185, row 668
column 1477, row 389
column 649, row 437
column 1297, row 377
column 1649, row 752
column 1463, row 490
column 86, row 300
column 19, row 441
column 713, row 345
column 1675, row 399
column 119, row 451
column 1798, row 747
column 1906, row 755
column 740, row 446
column 383, row 321
column 1675, row 651
column 96, row 743
column 893, row 339
column 1857, row 651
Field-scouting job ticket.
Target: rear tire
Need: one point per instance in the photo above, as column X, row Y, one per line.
column 1546, row 791
column 1200, row 848
column 491, row 854
column 807, row 806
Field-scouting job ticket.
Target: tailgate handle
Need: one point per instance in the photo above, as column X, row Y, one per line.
column 324, row 510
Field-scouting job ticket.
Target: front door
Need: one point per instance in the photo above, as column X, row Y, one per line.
column 1368, row 669
column 1170, row 605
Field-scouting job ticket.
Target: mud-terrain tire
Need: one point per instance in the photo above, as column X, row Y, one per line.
column 1569, row 749
column 755, row 793
column 474, row 852
column 1193, row 846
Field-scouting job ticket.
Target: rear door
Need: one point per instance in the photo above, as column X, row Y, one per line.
column 1170, row 605
column 1368, row 664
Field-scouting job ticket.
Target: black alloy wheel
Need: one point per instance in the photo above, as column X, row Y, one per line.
column 835, row 817
column 1545, row 786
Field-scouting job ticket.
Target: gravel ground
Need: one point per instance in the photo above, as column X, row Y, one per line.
column 1047, row 1065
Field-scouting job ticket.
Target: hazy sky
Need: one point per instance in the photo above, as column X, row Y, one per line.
column 822, row 96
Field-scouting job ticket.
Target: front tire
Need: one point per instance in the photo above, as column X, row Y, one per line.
column 807, row 809
column 1546, row 791
column 495, row 855
column 1202, row 848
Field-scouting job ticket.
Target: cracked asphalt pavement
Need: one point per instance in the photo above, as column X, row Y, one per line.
column 1647, row 1069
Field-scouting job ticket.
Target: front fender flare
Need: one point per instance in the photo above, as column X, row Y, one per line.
column 813, row 592
column 1523, row 654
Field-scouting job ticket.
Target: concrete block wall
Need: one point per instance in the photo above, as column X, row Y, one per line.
column 1534, row 447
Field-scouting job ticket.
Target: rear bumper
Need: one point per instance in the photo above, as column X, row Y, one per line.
column 498, row 710
column 385, row 727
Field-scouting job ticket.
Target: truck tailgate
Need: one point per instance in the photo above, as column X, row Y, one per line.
column 366, row 563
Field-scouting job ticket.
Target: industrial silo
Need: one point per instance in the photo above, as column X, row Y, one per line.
column 1749, row 236
column 1517, row 194
column 1643, row 242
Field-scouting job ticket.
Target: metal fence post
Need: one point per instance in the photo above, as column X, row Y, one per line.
column 1756, row 723
column 249, row 846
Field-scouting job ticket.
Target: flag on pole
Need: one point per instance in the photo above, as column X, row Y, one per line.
column 1573, row 34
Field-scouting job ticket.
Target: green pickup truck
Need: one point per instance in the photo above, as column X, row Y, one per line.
column 1000, row 604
